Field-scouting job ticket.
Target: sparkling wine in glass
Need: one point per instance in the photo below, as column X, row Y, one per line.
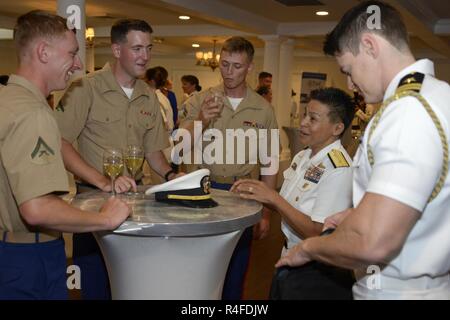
column 113, row 165
column 134, row 158
column 218, row 99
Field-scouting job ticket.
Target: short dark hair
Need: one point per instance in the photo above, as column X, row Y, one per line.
column 263, row 90
column 264, row 74
column 35, row 24
column 340, row 104
column 192, row 80
column 159, row 75
column 239, row 44
column 121, row 28
column 347, row 34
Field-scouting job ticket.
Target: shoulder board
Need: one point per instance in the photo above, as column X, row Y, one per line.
column 411, row 82
column 338, row 159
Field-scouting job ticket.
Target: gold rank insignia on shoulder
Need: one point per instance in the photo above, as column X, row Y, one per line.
column 411, row 82
column 338, row 159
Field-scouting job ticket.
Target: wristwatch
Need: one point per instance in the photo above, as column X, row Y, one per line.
column 166, row 176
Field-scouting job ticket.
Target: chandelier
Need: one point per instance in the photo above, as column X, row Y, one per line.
column 208, row 59
column 90, row 34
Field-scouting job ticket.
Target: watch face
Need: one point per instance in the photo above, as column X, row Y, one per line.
column 205, row 183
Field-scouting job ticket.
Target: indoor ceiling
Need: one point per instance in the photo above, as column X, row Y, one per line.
column 277, row 11
column 428, row 21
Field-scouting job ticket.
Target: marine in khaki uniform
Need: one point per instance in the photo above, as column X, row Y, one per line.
column 242, row 108
column 397, row 236
column 97, row 114
column 253, row 113
column 32, row 170
column 316, row 185
column 33, row 165
column 111, row 108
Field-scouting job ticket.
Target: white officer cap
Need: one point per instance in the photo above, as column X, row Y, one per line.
column 190, row 190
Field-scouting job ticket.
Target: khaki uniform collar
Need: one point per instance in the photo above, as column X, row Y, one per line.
column 109, row 83
column 23, row 82
column 250, row 100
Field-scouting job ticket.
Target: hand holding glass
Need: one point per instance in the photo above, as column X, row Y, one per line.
column 113, row 165
column 217, row 100
column 134, row 158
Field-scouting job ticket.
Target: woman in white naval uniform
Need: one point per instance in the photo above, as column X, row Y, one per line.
column 317, row 184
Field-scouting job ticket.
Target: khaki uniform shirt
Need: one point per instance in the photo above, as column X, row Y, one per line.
column 30, row 151
column 97, row 113
column 252, row 114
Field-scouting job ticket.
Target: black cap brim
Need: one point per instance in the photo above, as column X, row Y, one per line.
column 207, row 203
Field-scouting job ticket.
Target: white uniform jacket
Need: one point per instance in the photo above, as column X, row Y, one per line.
column 408, row 161
column 317, row 186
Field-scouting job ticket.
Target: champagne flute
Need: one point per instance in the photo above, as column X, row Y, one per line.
column 134, row 158
column 218, row 99
column 113, row 165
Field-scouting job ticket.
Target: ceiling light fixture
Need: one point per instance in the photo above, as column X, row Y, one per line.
column 195, row 45
column 6, row 34
column 184, row 17
column 322, row 13
column 90, row 34
column 208, row 59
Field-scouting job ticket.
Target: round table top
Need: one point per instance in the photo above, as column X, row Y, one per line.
column 152, row 218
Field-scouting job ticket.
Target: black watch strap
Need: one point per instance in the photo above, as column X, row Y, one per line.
column 166, row 176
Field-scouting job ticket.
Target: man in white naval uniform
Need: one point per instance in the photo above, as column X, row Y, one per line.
column 316, row 185
column 400, row 225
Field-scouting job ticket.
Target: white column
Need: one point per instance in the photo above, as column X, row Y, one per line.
column 74, row 10
column 90, row 58
column 271, row 60
column 283, row 102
